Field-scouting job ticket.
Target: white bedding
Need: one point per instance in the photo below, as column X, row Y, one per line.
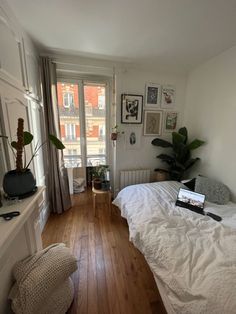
column 192, row 255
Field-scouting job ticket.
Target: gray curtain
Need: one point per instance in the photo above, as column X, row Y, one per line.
column 58, row 185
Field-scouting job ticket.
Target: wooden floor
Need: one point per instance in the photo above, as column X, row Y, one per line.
column 112, row 276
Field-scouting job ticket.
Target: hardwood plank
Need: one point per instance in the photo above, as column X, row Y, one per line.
column 113, row 276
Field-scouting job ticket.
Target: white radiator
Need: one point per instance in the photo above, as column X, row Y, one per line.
column 129, row 177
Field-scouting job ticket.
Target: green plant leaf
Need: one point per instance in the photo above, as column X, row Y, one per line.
column 180, row 166
column 182, row 153
column 14, row 144
column 195, row 144
column 177, row 138
column 28, row 138
column 191, row 162
column 167, row 158
column 161, row 143
column 56, row 142
column 183, row 131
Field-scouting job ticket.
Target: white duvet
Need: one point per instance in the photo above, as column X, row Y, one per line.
column 192, row 255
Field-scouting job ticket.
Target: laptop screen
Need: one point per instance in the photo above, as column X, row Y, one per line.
column 191, row 198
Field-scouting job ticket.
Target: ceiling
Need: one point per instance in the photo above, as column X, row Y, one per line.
column 171, row 34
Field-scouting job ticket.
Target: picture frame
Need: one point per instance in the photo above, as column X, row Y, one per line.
column 153, row 95
column 167, row 96
column 153, row 122
column 170, row 121
column 133, row 138
column 131, row 109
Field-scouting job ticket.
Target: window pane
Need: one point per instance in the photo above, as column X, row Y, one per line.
column 96, row 161
column 95, row 121
column 68, row 103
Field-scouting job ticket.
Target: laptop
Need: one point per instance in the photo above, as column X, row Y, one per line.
column 193, row 201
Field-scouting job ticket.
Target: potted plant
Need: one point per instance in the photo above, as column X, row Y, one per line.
column 99, row 174
column 20, row 182
column 115, row 132
column 179, row 160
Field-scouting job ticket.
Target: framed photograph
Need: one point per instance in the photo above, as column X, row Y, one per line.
column 153, row 123
column 170, row 121
column 153, row 95
column 133, row 138
column 167, row 97
column 131, row 109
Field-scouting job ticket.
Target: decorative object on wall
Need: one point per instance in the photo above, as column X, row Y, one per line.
column 115, row 132
column 21, row 182
column 131, row 108
column 153, row 123
column 180, row 159
column 133, row 138
column 170, row 121
column 153, row 95
column 168, row 97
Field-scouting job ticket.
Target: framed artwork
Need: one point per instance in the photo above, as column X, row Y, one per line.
column 133, row 138
column 170, row 121
column 167, row 97
column 153, row 95
column 131, row 108
column 153, row 123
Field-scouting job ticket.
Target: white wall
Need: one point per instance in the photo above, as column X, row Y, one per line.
column 211, row 115
column 133, row 81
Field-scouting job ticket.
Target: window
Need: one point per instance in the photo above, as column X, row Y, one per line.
column 68, row 99
column 84, row 130
column 70, row 131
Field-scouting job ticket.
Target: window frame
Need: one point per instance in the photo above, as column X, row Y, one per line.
column 81, row 82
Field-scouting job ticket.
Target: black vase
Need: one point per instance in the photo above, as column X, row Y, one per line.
column 18, row 184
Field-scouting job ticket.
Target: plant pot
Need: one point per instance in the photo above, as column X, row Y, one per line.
column 18, row 184
column 105, row 185
column 114, row 136
column 97, row 184
column 162, row 175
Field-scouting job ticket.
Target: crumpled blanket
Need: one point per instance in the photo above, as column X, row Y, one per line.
column 42, row 282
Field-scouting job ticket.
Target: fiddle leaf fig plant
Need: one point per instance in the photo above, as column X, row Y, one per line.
column 179, row 159
column 25, row 138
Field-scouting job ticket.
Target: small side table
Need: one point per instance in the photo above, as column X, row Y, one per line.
column 95, row 192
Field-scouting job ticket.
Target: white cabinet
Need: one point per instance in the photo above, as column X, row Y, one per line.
column 19, row 238
column 20, row 96
column 19, row 62
column 32, row 71
column 13, row 105
column 11, row 53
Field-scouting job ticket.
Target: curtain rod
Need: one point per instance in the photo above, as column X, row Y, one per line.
column 111, row 67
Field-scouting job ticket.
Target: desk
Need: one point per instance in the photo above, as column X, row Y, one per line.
column 101, row 192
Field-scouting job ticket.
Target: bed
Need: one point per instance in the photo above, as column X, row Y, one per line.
column 192, row 257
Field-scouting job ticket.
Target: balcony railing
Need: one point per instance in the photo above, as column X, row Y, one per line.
column 68, row 112
column 70, row 139
column 72, row 111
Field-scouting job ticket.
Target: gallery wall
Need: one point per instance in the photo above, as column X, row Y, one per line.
column 211, row 114
column 133, row 81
